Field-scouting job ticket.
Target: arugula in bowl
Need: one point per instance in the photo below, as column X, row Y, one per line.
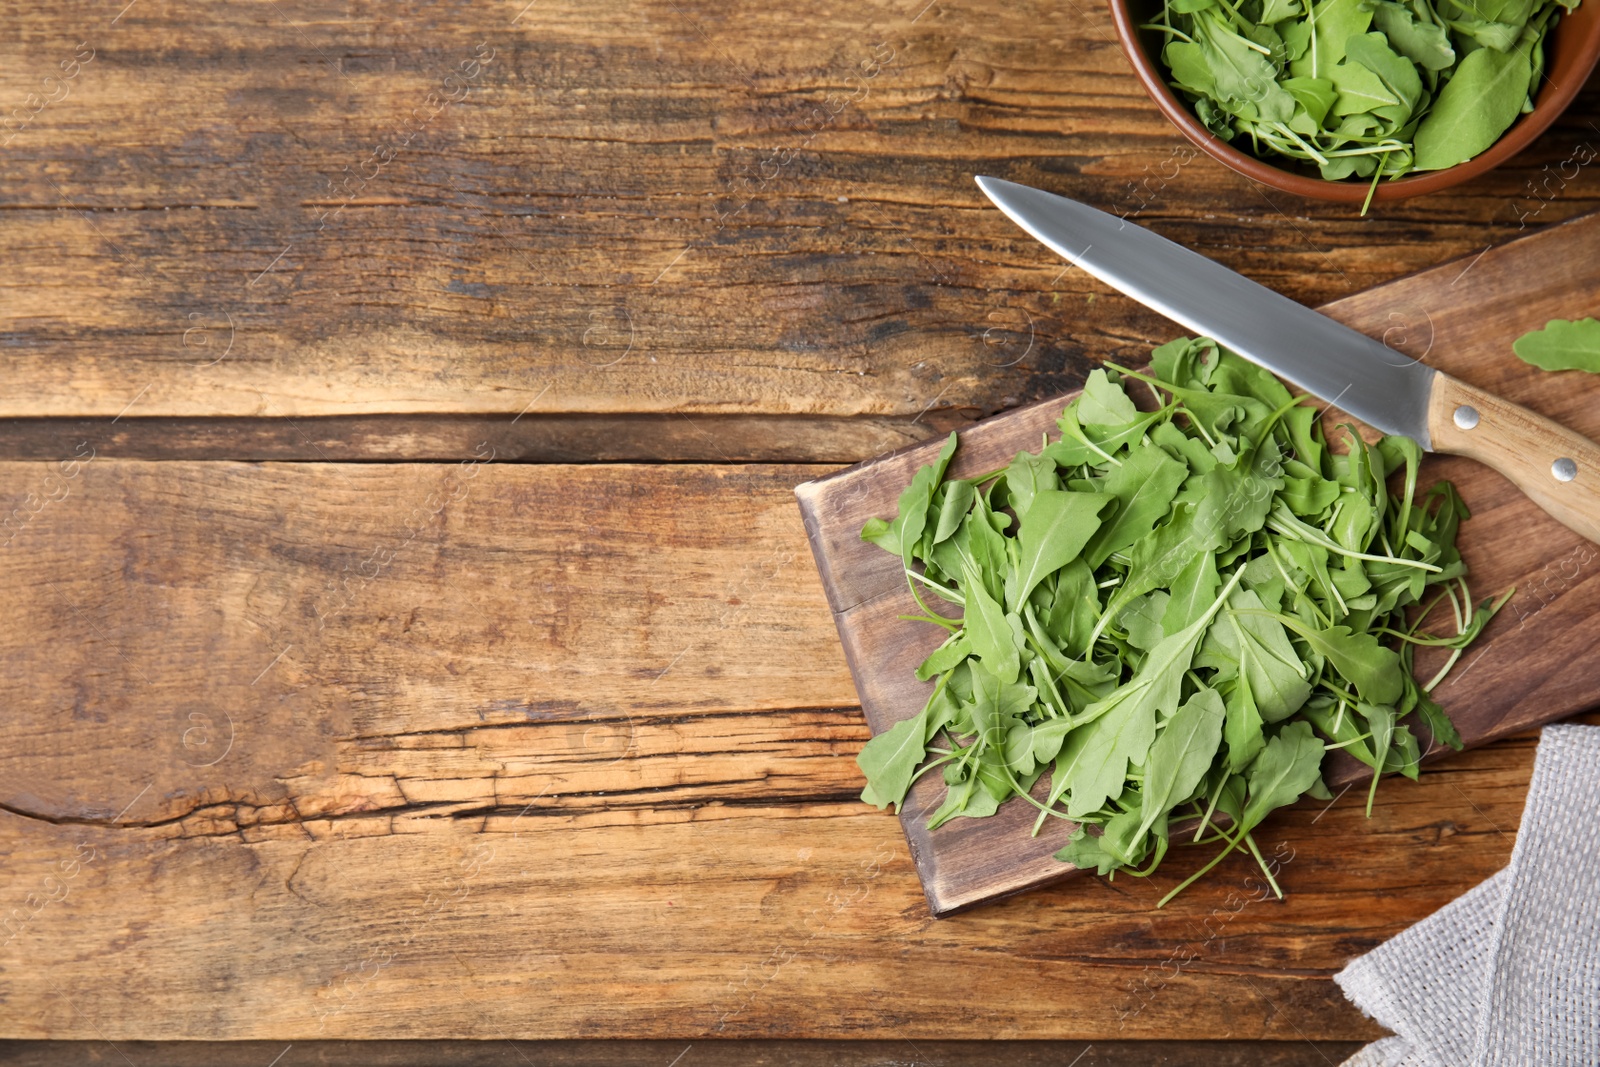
column 1359, row 88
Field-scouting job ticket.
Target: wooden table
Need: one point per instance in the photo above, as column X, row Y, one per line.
column 409, row 630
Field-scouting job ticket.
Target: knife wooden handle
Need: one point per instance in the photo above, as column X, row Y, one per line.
column 1558, row 469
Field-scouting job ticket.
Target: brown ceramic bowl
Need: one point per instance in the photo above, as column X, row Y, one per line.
column 1571, row 50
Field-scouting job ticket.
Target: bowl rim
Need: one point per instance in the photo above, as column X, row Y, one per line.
column 1552, row 101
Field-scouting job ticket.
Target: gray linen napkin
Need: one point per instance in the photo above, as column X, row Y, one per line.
column 1510, row 972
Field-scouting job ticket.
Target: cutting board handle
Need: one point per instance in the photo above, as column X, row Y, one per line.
column 1559, row 470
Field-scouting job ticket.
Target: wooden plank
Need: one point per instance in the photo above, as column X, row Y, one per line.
column 701, row 1054
column 1527, row 669
column 545, row 777
column 530, row 438
column 630, row 208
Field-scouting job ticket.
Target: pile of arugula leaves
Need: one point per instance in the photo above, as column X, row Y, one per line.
column 1365, row 88
column 1172, row 613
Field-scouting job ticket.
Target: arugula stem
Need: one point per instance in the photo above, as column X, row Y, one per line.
column 1200, row 427
column 1312, row 152
column 1167, row 29
column 1380, row 147
column 1449, row 665
column 1325, row 542
column 1377, row 172
column 949, row 624
column 1161, row 852
column 1423, row 617
column 1239, row 24
column 1455, row 656
column 950, row 594
column 1025, row 795
column 1425, row 641
column 1233, row 843
column 1211, row 807
column 1256, row 852
column 1342, row 694
column 930, row 766
column 1083, row 438
column 1298, row 591
column 1061, row 704
column 1455, row 606
column 1344, row 609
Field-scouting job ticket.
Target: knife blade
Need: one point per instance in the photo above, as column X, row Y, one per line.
column 1384, row 388
column 1558, row 469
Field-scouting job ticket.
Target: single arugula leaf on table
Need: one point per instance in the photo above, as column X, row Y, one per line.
column 1562, row 344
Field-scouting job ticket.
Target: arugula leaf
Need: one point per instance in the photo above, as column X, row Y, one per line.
column 1316, row 97
column 1288, row 766
column 1238, row 497
column 955, row 649
column 1361, row 90
column 965, row 798
column 1371, row 668
column 1083, row 851
column 1104, row 403
column 1242, row 729
column 1479, row 103
column 1054, row 530
column 1332, row 23
column 890, row 759
column 1438, row 722
column 1397, row 75
column 989, row 631
column 1074, row 609
column 1562, row 345
column 1380, row 725
column 912, row 512
column 1181, row 755
column 1252, row 643
column 1194, row 588
column 1420, row 40
column 952, row 509
column 1142, row 620
column 1144, row 487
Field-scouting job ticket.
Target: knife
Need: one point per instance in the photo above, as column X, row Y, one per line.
column 1388, row 390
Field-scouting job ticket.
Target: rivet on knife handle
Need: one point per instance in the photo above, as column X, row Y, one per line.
column 1559, row 470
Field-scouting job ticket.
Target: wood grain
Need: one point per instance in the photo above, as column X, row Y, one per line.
column 723, row 1053
column 424, row 438
column 629, row 240
column 544, row 778
column 1520, row 674
column 257, row 212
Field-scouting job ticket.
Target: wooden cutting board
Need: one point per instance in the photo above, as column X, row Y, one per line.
column 1534, row 664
